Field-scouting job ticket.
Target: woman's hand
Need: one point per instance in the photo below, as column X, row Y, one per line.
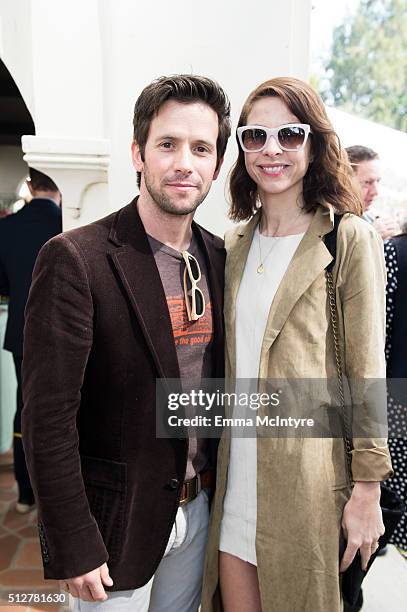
column 362, row 523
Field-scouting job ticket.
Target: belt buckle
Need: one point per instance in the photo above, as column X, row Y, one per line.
column 190, row 494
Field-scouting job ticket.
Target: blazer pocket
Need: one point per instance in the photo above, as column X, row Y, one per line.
column 105, row 486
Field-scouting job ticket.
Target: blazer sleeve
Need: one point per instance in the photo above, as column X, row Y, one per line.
column 4, row 283
column 362, row 291
column 57, row 341
column 4, row 287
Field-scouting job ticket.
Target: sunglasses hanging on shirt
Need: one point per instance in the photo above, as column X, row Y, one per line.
column 194, row 298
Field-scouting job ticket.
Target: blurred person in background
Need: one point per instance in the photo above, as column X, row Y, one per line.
column 395, row 251
column 367, row 168
column 21, row 237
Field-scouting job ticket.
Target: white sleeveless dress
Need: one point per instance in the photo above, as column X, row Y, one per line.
column 255, row 295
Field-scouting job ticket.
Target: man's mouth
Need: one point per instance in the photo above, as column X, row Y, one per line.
column 181, row 185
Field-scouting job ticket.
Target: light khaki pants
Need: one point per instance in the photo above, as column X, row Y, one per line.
column 176, row 585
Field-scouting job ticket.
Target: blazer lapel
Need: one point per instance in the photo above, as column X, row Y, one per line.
column 215, row 261
column 140, row 279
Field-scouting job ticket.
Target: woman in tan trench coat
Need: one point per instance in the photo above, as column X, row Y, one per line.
column 282, row 504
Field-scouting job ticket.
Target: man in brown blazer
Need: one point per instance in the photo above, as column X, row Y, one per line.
column 114, row 306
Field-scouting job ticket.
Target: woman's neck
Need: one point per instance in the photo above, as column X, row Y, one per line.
column 283, row 216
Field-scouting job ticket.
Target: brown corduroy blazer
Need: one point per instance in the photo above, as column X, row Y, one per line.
column 97, row 336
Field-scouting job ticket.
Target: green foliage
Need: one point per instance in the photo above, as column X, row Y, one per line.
column 367, row 70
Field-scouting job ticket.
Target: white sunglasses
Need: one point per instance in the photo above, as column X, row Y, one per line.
column 289, row 137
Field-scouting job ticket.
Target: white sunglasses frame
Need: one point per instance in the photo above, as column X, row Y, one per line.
column 273, row 132
column 191, row 305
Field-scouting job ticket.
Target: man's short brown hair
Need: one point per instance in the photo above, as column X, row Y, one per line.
column 185, row 88
column 359, row 153
column 41, row 182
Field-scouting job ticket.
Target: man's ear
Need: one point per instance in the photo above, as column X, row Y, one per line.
column 219, row 166
column 136, row 156
column 30, row 187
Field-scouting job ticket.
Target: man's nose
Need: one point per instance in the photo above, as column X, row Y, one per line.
column 183, row 160
column 374, row 190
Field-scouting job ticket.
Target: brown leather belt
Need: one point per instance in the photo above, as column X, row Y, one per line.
column 191, row 488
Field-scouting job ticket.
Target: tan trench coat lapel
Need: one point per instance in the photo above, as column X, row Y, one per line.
column 310, row 259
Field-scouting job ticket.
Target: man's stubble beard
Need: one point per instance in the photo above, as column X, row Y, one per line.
column 166, row 204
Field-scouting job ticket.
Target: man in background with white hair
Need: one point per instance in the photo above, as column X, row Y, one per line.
column 366, row 165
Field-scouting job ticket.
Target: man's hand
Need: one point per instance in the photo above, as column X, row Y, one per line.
column 89, row 587
column 386, row 227
column 362, row 523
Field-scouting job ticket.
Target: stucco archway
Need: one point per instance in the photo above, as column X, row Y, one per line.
column 15, row 120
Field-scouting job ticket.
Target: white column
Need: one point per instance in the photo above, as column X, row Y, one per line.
column 79, row 168
column 67, row 69
column 70, row 144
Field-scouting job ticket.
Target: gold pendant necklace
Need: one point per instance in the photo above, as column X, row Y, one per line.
column 260, row 267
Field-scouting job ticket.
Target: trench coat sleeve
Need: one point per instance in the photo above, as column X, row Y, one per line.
column 362, row 296
column 58, row 338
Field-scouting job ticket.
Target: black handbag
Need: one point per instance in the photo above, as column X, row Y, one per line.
column 392, row 506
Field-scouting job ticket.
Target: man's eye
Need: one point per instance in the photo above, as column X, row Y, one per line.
column 166, row 145
column 201, row 149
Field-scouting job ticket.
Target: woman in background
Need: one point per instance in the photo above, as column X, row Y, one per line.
column 280, row 503
column 395, row 251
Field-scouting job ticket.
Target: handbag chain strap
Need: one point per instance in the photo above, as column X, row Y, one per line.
column 347, row 437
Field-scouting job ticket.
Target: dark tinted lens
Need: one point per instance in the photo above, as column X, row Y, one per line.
column 254, row 139
column 194, row 268
column 199, row 303
column 291, row 137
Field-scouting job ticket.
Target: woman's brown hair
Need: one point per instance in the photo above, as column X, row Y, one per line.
column 329, row 177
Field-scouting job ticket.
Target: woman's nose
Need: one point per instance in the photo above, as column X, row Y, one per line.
column 272, row 147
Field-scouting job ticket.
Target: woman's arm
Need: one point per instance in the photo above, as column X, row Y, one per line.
column 362, row 297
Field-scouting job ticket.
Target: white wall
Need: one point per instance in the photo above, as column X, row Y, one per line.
column 83, row 64
column 67, row 69
column 142, row 41
column 52, row 50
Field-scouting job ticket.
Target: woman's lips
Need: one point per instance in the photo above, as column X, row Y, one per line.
column 277, row 170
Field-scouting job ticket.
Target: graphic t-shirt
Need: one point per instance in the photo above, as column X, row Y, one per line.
column 193, row 339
